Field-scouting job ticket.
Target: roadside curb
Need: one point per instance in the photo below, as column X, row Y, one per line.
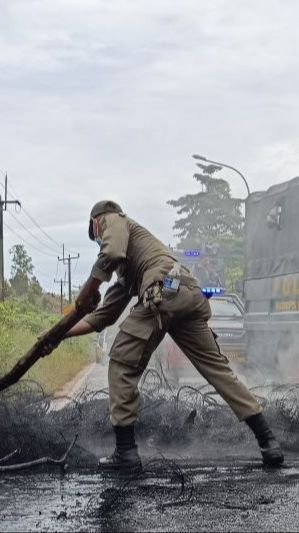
column 64, row 395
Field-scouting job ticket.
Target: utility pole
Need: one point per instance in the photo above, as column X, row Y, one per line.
column 62, row 282
column 67, row 260
column 3, row 207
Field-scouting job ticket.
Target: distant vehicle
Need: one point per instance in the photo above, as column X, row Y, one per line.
column 227, row 323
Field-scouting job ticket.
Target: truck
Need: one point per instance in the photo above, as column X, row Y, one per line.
column 271, row 284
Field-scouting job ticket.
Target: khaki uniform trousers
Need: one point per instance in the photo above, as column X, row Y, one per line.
column 184, row 316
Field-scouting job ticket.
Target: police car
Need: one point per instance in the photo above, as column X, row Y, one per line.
column 227, row 321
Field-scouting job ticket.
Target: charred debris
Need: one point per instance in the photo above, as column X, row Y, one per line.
column 185, row 422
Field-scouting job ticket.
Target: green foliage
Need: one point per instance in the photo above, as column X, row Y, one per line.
column 210, row 215
column 25, row 286
column 22, row 279
column 35, row 290
column 234, row 274
column 20, row 323
column 54, row 371
column 31, row 312
column 22, row 313
column 8, row 292
column 21, row 269
column 213, row 217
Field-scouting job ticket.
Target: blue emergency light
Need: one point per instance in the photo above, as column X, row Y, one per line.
column 192, row 253
column 212, row 291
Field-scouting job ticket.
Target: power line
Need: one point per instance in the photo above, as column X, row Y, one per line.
column 28, row 243
column 42, row 274
column 40, row 228
column 32, row 234
column 34, row 221
column 38, row 272
column 3, row 205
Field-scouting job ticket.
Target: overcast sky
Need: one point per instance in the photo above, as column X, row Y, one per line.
column 110, row 98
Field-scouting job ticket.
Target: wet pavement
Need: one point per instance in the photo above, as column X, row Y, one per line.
column 168, row 496
column 219, row 489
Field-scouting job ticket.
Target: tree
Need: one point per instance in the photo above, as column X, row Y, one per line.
column 35, row 290
column 212, row 218
column 8, row 292
column 211, row 215
column 21, row 269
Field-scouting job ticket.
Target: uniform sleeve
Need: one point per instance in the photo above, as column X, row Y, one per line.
column 113, row 248
column 115, row 301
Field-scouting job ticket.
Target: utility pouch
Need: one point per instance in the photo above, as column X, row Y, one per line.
column 153, row 295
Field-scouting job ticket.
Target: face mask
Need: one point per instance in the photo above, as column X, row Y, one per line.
column 99, row 241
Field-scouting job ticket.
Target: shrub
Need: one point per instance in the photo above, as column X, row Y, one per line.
column 20, row 323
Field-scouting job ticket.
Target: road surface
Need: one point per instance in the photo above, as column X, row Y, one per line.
column 215, row 490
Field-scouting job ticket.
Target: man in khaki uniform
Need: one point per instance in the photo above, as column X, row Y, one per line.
column 169, row 300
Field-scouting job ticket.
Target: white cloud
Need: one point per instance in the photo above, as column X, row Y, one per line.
column 276, row 163
column 110, row 98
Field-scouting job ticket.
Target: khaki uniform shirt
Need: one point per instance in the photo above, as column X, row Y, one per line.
column 116, row 300
column 138, row 258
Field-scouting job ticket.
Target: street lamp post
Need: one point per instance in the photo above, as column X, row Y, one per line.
column 224, row 165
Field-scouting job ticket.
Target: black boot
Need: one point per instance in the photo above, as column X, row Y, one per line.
column 270, row 448
column 125, row 457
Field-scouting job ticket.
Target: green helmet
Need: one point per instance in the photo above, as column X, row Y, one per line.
column 105, row 206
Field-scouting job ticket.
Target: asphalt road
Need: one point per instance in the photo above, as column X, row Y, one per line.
column 214, row 491
column 167, row 497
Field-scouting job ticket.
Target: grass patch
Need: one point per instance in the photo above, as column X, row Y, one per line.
column 19, row 325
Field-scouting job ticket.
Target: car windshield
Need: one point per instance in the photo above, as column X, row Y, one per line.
column 224, row 308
